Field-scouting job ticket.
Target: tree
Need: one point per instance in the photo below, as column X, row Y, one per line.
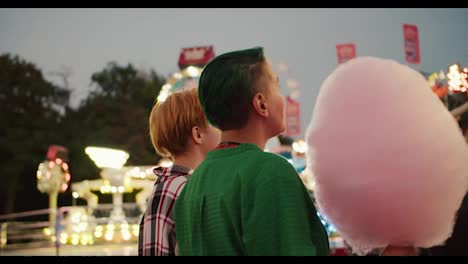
column 35, row 114
column 114, row 115
column 30, row 114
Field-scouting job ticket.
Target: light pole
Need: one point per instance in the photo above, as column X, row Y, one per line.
column 53, row 178
column 110, row 161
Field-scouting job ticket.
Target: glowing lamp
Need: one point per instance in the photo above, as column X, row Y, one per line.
column 107, row 157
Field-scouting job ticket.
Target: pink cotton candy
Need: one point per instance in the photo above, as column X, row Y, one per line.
column 389, row 160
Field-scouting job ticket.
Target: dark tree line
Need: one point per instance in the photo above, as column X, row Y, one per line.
column 35, row 113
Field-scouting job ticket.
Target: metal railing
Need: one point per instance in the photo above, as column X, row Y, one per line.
column 74, row 225
column 19, row 228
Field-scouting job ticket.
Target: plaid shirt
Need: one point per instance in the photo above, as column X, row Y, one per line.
column 157, row 236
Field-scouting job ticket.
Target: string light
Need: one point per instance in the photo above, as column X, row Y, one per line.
column 454, row 77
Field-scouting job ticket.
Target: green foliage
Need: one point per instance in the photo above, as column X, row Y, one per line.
column 34, row 114
column 114, row 115
column 30, row 114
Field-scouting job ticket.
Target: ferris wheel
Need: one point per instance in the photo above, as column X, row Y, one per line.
column 191, row 63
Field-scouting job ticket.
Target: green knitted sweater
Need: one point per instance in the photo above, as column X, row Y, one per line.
column 243, row 201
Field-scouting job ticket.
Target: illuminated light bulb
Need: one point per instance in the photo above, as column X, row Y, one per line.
column 162, row 97
column 109, row 236
column 47, row 231
column 126, row 235
column 454, row 77
column 166, row 163
column 63, row 240
column 107, row 157
column 166, row 87
column 192, row 71
column 98, row 234
column 299, row 146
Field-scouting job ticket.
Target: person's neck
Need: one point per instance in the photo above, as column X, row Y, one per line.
column 189, row 159
column 249, row 134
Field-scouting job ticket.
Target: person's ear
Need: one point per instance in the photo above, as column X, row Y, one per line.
column 197, row 134
column 260, row 104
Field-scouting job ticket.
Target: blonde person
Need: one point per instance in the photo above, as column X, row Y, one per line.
column 179, row 131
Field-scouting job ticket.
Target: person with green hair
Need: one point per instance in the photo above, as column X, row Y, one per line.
column 242, row 200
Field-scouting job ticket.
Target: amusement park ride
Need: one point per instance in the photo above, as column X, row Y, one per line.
column 79, row 224
column 191, row 63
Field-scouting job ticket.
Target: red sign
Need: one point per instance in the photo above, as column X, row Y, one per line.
column 57, row 151
column 293, row 117
column 345, row 52
column 411, row 40
column 196, row 56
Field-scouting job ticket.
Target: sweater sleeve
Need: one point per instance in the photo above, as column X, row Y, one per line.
column 279, row 216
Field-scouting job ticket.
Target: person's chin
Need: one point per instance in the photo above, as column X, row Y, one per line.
column 281, row 131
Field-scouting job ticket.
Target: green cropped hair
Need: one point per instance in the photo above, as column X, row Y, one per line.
column 224, row 87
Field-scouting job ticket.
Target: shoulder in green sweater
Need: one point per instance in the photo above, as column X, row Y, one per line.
column 243, row 201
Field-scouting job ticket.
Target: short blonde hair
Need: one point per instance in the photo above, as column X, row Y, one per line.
column 171, row 122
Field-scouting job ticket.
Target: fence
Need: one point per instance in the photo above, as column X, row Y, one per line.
column 74, row 225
